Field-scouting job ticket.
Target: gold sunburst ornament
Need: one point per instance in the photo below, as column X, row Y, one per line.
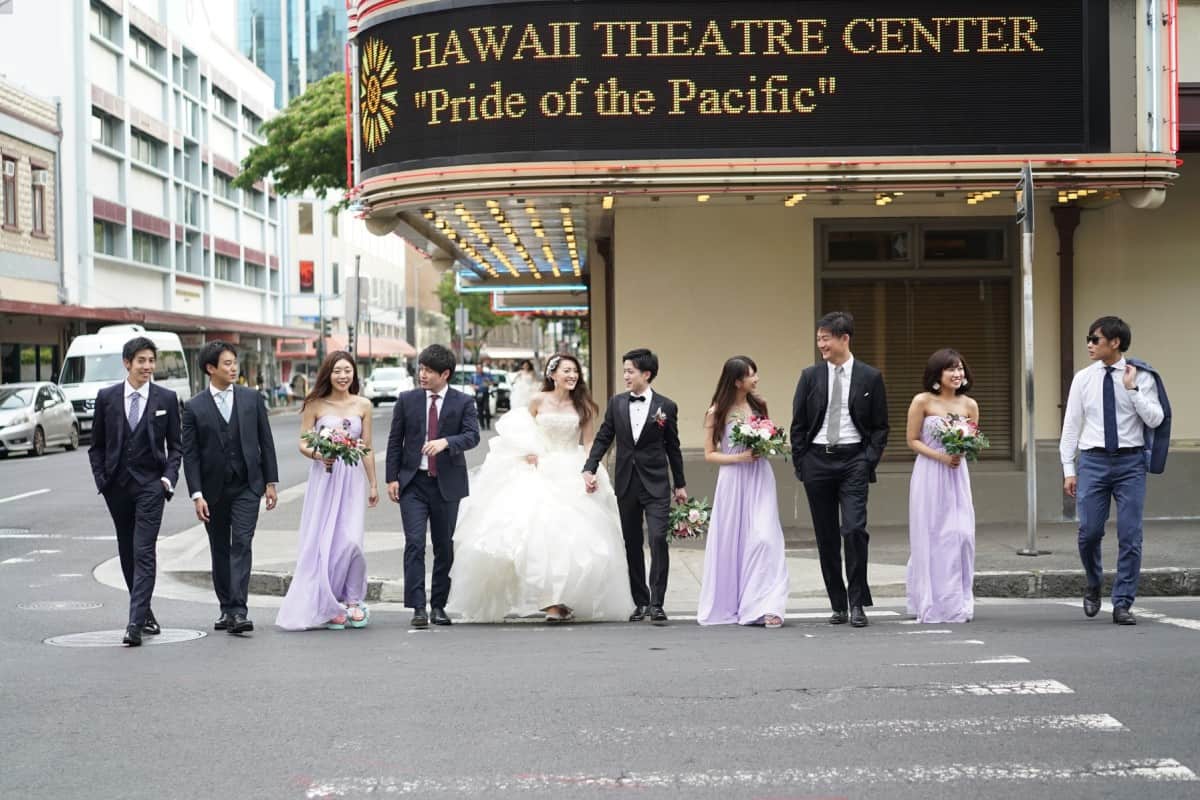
column 377, row 93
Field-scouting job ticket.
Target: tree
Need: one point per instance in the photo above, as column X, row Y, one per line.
column 306, row 143
column 479, row 312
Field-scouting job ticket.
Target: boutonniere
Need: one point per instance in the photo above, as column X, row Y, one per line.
column 660, row 419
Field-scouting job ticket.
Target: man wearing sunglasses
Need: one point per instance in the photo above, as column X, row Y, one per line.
column 1110, row 406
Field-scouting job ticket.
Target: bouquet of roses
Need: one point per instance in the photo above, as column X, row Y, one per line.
column 336, row 443
column 759, row 435
column 961, row 437
column 690, row 520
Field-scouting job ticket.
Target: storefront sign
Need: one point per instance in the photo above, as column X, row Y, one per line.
column 475, row 83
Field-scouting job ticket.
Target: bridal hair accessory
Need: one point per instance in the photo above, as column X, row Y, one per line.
column 937, row 387
column 552, row 365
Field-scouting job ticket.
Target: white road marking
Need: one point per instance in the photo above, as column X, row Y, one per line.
column 1178, row 622
column 968, row 642
column 922, row 633
column 69, row 575
column 94, row 538
column 825, row 614
column 1157, row 769
column 994, row 660
column 972, row 726
column 23, row 496
column 993, row 689
column 42, row 552
column 17, row 560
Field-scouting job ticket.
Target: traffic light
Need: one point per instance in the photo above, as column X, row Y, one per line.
column 326, row 327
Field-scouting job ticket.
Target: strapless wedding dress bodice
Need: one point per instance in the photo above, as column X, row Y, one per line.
column 560, row 430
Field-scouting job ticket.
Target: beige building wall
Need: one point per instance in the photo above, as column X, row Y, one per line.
column 1189, row 41
column 699, row 284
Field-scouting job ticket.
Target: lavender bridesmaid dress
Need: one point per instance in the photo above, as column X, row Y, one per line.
column 941, row 535
column 330, row 570
column 745, row 569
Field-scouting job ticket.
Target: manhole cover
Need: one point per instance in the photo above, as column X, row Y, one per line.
column 59, row 605
column 113, row 638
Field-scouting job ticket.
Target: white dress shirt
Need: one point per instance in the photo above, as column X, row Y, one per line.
column 849, row 433
column 144, row 391
column 441, row 396
column 638, row 412
column 1083, row 424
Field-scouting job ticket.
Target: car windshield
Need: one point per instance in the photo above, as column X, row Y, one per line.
column 15, row 398
column 393, row 374
column 102, row 367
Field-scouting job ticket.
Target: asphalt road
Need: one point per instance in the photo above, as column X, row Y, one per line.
column 1029, row 700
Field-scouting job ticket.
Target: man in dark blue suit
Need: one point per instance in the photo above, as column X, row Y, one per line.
column 135, row 454
column 432, row 428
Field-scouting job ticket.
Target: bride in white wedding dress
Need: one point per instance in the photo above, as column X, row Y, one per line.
column 529, row 538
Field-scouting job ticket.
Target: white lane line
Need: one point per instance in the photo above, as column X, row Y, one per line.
column 994, row 660
column 17, row 560
column 972, row 726
column 94, row 538
column 42, row 552
column 23, row 496
column 825, row 614
column 967, row 642
column 68, row 575
column 921, row 633
column 1178, row 622
column 1156, row 769
column 991, row 689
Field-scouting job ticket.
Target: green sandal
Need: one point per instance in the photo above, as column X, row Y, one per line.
column 358, row 623
column 334, row 625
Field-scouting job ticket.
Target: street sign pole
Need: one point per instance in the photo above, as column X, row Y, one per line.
column 462, row 318
column 1026, row 210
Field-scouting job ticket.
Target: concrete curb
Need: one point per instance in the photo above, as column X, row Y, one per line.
column 1157, row 582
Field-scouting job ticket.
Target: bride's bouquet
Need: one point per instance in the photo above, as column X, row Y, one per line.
column 759, row 435
column 690, row 520
column 336, row 443
column 961, row 437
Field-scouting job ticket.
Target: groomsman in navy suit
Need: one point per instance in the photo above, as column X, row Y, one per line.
column 432, row 429
column 135, row 454
column 1111, row 405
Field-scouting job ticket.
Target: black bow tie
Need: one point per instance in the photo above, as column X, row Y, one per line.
column 633, row 398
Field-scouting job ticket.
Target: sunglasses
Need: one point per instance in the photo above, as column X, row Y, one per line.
column 1092, row 339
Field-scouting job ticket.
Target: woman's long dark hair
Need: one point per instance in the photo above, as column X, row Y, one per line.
column 735, row 369
column 580, row 398
column 323, row 385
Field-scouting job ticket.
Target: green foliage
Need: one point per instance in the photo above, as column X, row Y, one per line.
column 479, row 309
column 306, row 143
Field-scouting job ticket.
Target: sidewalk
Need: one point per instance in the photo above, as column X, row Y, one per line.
column 1171, row 560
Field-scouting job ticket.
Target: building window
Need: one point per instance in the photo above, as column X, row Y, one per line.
column 38, row 190
column 256, row 275
column 104, row 235
column 224, row 105
column 336, row 279
column 145, row 149
column 102, row 22
column 191, row 207
column 188, row 114
column 143, row 50
column 149, row 249
column 10, row 192
column 223, row 186
column 306, row 218
column 251, row 123
column 253, row 200
column 104, row 129
column 333, row 224
column 225, row 268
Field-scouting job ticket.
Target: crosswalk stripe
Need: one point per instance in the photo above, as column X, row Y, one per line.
column 990, row 689
column 1178, row 622
column 1156, row 769
column 993, row 660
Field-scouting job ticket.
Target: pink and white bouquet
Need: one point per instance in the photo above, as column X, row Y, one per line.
column 759, row 435
column 690, row 520
column 961, row 437
column 336, row 443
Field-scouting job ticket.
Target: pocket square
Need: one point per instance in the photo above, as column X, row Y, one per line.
column 160, row 412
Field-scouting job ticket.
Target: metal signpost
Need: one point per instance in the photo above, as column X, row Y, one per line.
column 1025, row 215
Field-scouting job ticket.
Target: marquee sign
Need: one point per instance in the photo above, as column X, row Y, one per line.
column 461, row 83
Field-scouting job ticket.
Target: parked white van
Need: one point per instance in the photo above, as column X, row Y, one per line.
column 94, row 361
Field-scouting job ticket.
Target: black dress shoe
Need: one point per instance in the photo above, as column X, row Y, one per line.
column 1091, row 601
column 839, row 618
column 133, row 636
column 420, row 618
column 439, row 617
column 239, row 624
column 657, row 614
column 150, row 626
column 639, row 613
column 224, row 622
column 858, row 617
column 1123, row 616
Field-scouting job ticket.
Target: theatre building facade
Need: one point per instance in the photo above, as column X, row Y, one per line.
column 709, row 178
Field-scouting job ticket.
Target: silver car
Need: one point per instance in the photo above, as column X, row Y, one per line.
column 385, row 383
column 34, row 416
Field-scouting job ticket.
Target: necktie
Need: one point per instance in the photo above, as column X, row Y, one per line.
column 834, row 429
column 135, row 409
column 432, row 432
column 1111, row 442
column 223, row 404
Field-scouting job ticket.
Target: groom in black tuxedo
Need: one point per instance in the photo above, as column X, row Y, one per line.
column 645, row 425
column 839, row 430
column 135, row 462
column 229, row 462
column 432, row 428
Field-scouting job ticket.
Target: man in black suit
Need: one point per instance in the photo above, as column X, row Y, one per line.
column 645, row 425
column 135, row 462
column 432, row 428
column 229, row 462
column 839, row 430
